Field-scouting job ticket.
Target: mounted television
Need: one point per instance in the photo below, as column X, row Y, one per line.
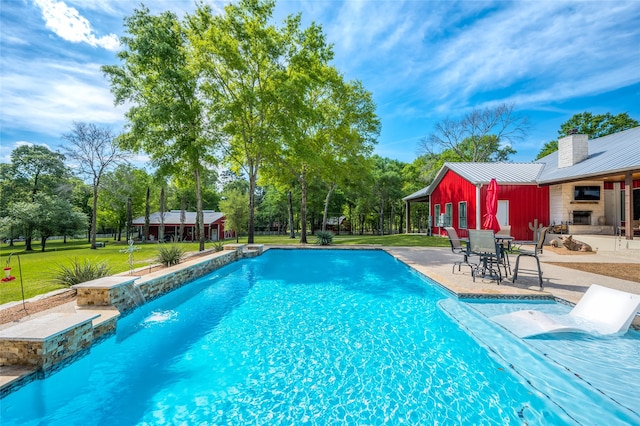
column 586, row 193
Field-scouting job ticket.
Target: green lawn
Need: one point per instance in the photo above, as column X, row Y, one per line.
column 38, row 268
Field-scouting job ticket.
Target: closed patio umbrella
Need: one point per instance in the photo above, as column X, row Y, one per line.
column 490, row 220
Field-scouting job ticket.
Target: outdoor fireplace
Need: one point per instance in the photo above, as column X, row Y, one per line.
column 581, row 217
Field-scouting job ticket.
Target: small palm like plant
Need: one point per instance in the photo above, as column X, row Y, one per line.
column 324, row 238
column 80, row 271
column 169, row 254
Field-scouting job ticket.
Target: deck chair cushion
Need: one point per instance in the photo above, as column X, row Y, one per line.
column 601, row 311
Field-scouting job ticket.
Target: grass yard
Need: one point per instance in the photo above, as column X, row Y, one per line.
column 39, row 268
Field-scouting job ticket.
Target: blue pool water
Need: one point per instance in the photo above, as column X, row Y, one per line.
column 328, row 337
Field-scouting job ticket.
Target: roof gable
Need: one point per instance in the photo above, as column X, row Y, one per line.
column 482, row 173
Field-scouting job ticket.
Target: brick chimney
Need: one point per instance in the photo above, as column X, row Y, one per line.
column 572, row 149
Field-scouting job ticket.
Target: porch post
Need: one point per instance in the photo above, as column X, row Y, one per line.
column 628, row 206
column 408, row 216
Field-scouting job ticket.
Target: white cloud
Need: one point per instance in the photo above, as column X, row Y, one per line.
column 67, row 23
column 539, row 47
column 46, row 97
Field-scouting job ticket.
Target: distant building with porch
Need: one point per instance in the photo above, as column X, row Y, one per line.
column 172, row 220
column 587, row 187
column 337, row 224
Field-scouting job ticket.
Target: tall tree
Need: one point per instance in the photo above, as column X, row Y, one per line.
column 55, row 216
column 236, row 212
column 387, row 186
column 598, row 125
column 35, row 169
column 586, row 123
column 94, row 151
column 248, row 64
column 481, row 135
column 329, row 138
column 123, row 186
column 167, row 118
column 38, row 168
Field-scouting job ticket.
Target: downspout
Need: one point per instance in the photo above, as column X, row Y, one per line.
column 478, row 218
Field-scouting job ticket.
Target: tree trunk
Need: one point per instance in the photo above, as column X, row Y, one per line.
column 129, row 230
column 94, row 214
column 381, row 230
column 161, row 229
column 303, row 208
column 183, row 217
column 292, row 232
column 253, row 175
column 332, row 186
column 199, row 212
column 350, row 219
column 147, row 213
column 43, row 241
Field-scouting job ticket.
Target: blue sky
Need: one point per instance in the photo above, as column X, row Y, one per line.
column 423, row 61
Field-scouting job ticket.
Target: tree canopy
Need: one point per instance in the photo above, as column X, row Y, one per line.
column 167, row 118
column 479, row 136
column 596, row 126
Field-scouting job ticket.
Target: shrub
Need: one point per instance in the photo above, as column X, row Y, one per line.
column 80, row 271
column 324, row 238
column 169, row 254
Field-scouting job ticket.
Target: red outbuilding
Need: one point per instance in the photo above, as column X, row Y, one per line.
column 171, row 223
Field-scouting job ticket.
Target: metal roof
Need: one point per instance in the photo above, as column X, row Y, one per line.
column 608, row 155
column 173, row 218
column 504, row 173
column 482, row 173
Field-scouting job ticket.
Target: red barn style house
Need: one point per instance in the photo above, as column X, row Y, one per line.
column 213, row 225
column 591, row 186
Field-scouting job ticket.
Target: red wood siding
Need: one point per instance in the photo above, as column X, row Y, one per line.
column 526, row 203
column 453, row 189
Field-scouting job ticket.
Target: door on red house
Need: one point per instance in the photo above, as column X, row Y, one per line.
column 503, row 212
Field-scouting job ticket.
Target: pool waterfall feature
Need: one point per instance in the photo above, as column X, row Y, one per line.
column 26, row 348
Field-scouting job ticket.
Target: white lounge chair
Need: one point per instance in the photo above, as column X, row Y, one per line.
column 601, row 311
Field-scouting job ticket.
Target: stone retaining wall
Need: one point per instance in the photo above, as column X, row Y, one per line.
column 154, row 287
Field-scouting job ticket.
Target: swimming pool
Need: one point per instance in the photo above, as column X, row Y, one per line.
column 317, row 337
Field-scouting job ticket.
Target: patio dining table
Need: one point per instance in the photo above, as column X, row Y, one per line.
column 492, row 250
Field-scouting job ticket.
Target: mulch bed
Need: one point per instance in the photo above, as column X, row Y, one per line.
column 623, row 271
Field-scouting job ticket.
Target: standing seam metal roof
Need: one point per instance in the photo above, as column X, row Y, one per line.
column 612, row 154
column 616, row 153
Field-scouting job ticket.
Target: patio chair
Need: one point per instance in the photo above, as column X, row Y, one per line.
column 601, row 311
column 457, row 248
column 537, row 249
column 483, row 243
